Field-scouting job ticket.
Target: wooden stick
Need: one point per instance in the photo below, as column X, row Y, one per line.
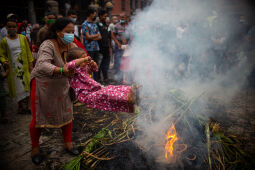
column 108, row 144
column 96, row 157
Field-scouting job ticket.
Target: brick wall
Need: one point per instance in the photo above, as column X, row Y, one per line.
column 117, row 6
column 116, row 10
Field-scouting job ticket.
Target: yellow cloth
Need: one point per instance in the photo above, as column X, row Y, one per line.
column 26, row 58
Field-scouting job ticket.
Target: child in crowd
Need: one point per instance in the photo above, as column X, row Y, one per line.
column 124, row 66
column 110, row 98
column 4, row 71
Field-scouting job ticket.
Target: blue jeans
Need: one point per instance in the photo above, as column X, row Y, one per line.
column 117, row 59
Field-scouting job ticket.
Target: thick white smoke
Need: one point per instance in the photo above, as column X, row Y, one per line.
column 185, row 44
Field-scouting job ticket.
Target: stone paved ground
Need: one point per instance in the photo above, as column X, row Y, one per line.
column 241, row 118
column 15, row 142
column 15, row 145
column 238, row 118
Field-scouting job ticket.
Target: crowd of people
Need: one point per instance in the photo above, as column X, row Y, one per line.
column 45, row 69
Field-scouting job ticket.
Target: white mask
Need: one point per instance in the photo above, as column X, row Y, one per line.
column 74, row 19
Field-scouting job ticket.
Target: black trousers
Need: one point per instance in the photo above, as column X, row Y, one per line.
column 104, row 66
column 95, row 56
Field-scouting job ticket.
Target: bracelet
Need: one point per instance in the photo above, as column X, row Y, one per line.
column 61, row 70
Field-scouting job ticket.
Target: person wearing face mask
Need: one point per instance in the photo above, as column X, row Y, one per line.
column 49, row 19
column 51, row 103
column 111, row 28
column 3, row 31
column 91, row 36
column 71, row 14
column 104, row 44
column 14, row 49
column 119, row 35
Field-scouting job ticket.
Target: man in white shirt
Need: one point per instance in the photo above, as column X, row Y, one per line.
column 73, row 16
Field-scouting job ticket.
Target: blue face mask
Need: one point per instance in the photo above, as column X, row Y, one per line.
column 68, row 38
column 122, row 21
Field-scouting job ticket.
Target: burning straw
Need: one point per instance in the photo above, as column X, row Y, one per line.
column 216, row 151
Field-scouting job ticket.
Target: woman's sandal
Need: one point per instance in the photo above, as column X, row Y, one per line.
column 74, row 151
column 37, row 159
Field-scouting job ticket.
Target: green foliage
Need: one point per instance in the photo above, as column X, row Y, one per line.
column 137, row 110
column 97, row 140
column 75, row 164
column 229, row 147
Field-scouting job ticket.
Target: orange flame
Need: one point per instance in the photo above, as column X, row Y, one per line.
column 171, row 137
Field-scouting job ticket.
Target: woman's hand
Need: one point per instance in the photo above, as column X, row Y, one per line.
column 68, row 72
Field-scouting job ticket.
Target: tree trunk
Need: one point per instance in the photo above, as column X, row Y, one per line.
column 31, row 12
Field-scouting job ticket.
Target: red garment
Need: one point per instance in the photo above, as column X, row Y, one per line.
column 35, row 133
column 34, row 48
column 79, row 44
column 18, row 26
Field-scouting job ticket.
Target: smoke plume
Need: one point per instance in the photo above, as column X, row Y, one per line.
column 196, row 46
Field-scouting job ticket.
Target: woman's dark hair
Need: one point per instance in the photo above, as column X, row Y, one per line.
column 58, row 25
column 72, row 53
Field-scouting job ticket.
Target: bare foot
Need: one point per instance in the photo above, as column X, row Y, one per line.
column 136, row 95
column 35, row 151
column 131, row 95
column 68, row 146
column 70, row 149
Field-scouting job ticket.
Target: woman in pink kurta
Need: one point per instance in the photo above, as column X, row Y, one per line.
column 88, row 91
